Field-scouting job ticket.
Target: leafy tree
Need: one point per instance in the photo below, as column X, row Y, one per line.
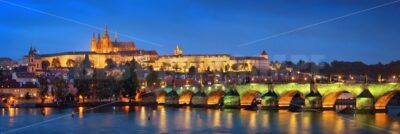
column 192, row 71
column 110, row 63
column 105, row 88
column 43, row 88
column 71, row 63
column 45, row 64
column 130, row 82
column 152, row 77
column 60, row 88
column 56, row 62
column 83, row 86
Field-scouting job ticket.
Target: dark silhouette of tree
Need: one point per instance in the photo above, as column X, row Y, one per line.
column 110, row 64
column 71, row 63
column 192, row 71
column 56, row 62
column 43, row 88
column 60, row 88
column 152, row 77
column 131, row 82
column 45, row 65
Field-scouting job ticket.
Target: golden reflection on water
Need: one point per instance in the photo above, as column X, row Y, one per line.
column 293, row 124
column 12, row 112
column 217, row 118
column 163, row 120
column 381, row 120
column 306, row 119
column 265, row 120
column 229, row 120
column 126, row 108
column 143, row 116
column 252, row 120
column 80, row 112
column 187, row 118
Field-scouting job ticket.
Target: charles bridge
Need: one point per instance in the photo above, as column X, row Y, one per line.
column 365, row 96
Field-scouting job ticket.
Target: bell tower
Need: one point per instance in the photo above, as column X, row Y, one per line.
column 31, row 60
column 264, row 55
column 178, row 51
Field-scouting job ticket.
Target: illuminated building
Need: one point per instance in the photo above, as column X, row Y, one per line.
column 103, row 48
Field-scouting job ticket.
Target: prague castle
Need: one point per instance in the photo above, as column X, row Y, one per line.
column 104, row 48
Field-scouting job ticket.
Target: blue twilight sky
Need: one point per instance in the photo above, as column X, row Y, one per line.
column 208, row 26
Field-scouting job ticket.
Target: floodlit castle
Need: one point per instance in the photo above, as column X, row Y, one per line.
column 103, row 49
column 105, row 45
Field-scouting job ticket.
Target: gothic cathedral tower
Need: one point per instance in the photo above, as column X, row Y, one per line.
column 93, row 46
column 101, row 44
column 106, row 42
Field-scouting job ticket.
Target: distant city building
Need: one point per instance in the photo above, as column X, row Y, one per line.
column 119, row 52
column 6, row 63
column 13, row 88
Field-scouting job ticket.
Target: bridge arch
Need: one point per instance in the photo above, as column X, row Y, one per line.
column 186, row 97
column 285, row 100
column 383, row 101
column 329, row 101
column 249, row 97
column 215, row 97
column 161, row 97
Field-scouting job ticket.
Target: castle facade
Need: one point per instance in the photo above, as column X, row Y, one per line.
column 103, row 49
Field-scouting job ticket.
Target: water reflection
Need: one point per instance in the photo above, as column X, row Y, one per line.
column 187, row 118
column 217, row 118
column 198, row 120
column 143, row 117
column 80, row 112
column 163, row 120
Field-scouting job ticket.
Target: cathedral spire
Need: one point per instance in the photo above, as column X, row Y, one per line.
column 93, row 46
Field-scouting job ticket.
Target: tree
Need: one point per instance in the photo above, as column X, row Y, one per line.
column 56, row 62
column 130, row 82
column 83, row 86
column 71, row 63
column 43, row 88
column 45, row 64
column 110, row 63
column 27, row 96
column 105, row 88
column 152, row 77
column 60, row 88
column 192, row 71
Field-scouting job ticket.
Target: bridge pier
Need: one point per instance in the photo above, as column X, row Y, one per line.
column 313, row 101
column 270, row 100
column 365, row 101
column 231, row 99
column 172, row 99
column 199, row 99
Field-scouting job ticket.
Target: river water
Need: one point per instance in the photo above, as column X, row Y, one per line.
column 129, row 119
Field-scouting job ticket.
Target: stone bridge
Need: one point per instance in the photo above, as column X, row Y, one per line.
column 324, row 96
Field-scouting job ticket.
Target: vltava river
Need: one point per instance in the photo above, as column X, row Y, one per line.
column 190, row 120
